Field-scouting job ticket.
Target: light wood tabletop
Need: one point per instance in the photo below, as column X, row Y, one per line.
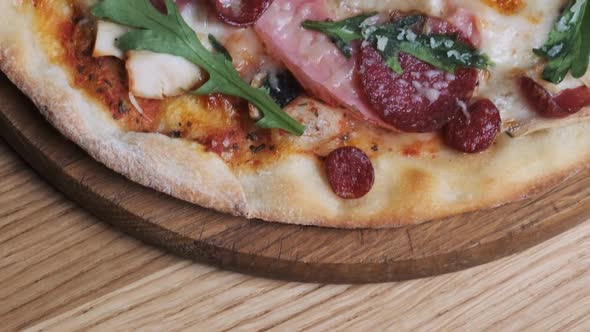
column 61, row 269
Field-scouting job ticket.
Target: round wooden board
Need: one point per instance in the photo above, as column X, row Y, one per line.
column 309, row 254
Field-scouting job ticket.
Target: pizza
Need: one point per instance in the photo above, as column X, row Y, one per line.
column 338, row 113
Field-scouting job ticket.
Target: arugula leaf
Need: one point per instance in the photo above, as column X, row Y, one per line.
column 568, row 47
column 342, row 32
column 170, row 34
column 381, row 42
column 445, row 52
column 218, row 47
column 442, row 51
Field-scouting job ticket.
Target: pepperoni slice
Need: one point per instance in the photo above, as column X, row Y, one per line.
column 241, row 12
column 476, row 130
column 573, row 100
column 350, row 172
column 422, row 99
column 563, row 105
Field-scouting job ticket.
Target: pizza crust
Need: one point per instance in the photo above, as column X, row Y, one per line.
column 174, row 167
column 294, row 189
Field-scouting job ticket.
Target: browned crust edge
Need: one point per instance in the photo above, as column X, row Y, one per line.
column 185, row 170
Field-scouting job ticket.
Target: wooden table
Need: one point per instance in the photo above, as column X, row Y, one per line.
column 61, row 269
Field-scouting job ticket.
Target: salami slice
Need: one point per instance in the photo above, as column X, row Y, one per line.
column 567, row 103
column 422, row 99
column 476, row 130
column 241, row 12
column 350, row 172
column 574, row 100
column 313, row 59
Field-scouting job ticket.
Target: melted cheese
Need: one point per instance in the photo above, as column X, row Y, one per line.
column 507, row 7
column 200, row 18
column 509, row 40
column 509, row 30
column 347, row 8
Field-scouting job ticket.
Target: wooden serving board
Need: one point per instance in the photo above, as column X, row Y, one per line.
column 300, row 253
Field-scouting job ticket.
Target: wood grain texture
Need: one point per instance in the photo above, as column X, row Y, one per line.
column 63, row 270
column 280, row 251
column 288, row 252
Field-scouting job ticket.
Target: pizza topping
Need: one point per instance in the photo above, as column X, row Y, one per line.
column 350, row 172
column 313, row 59
column 441, row 45
column 475, row 131
column 135, row 104
column 241, row 12
column 427, row 60
column 540, row 99
column 342, row 33
column 156, row 76
column 432, row 40
column 151, row 75
column 410, row 72
column 282, row 87
column 568, row 47
column 573, row 100
column 106, row 35
column 219, row 48
column 507, row 7
column 566, row 103
column 461, row 22
column 422, row 99
column 161, row 5
column 170, row 34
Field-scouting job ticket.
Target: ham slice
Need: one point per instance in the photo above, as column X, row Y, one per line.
column 467, row 23
column 312, row 57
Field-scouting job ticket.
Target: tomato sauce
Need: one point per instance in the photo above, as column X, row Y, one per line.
column 219, row 123
column 104, row 78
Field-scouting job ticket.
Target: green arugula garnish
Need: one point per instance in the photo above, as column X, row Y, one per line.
column 342, row 32
column 568, row 46
column 170, row 34
column 445, row 52
column 219, row 48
